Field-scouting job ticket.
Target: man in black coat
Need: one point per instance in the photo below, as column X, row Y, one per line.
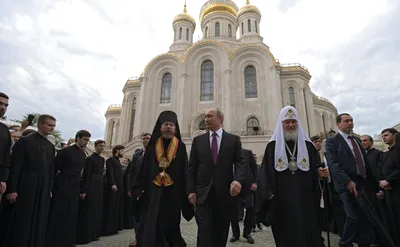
column 247, row 195
column 215, row 176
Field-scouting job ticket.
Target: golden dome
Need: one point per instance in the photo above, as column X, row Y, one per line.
column 184, row 17
column 249, row 8
column 218, row 7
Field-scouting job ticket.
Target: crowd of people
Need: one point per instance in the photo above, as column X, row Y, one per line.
column 59, row 198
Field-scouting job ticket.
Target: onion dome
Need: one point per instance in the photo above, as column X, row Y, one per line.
column 249, row 8
column 184, row 17
column 212, row 6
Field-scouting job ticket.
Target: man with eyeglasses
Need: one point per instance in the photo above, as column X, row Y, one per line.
column 63, row 216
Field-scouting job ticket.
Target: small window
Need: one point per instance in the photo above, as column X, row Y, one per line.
column 217, row 29
column 250, row 82
column 187, row 34
column 166, row 85
column 242, row 28
column 291, row 97
column 207, row 81
column 249, row 25
column 229, row 30
column 206, row 33
column 180, row 33
column 253, row 126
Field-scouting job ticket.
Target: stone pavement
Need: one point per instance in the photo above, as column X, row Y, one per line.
column 189, row 232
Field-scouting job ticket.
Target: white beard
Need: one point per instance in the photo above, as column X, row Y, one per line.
column 290, row 136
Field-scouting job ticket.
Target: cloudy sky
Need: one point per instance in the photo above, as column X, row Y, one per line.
column 71, row 58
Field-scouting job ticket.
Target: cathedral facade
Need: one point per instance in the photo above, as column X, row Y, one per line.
column 229, row 68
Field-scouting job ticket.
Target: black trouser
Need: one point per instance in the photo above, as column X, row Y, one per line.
column 213, row 222
column 248, row 223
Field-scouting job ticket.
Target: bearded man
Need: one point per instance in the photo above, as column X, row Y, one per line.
column 288, row 191
column 161, row 186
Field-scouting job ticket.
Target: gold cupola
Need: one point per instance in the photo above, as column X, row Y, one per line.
column 184, row 17
column 222, row 6
column 248, row 8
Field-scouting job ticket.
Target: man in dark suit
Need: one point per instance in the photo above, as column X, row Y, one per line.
column 247, row 194
column 215, row 175
column 133, row 170
column 350, row 173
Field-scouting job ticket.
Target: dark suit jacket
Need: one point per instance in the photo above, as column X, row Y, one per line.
column 203, row 174
column 134, row 167
column 342, row 164
column 251, row 170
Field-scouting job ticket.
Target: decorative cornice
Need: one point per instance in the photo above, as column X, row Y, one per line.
column 317, row 100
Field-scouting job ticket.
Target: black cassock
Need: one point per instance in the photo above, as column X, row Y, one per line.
column 90, row 220
column 292, row 212
column 31, row 178
column 162, row 206
column 390, row 171
column 64, row 207
column 113, row 213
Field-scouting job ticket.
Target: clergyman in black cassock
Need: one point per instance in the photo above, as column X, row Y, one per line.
column 90, row 220
column 389, row 176
column 64, row 207
column 113, row 212
column 29, row 186
column 288, row 190
column 216, row 173
column 162, row 179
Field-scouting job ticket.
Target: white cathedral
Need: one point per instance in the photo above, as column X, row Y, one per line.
column 234, row 71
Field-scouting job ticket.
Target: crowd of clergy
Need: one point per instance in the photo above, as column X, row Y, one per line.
column 62, row 197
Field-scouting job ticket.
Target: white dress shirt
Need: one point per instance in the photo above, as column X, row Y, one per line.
column 348, row 141
column 219, row 137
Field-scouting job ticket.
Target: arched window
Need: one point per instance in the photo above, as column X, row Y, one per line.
column 250, row 82
column 217, row 29
column 255, row 25
column 242, row 28
column 253, row 126
column 207, row 81
column 132, row 119
column 206, row 33
column 249, row 25
column 180, row 33
column 202, row 125
column 229, row 30
column 306, row 107
column 166, row 85
column 187, row 34
column 291, row 97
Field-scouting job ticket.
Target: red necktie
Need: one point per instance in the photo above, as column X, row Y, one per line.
column 359, row 161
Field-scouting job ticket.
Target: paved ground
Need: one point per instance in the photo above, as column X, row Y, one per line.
column 189, row 231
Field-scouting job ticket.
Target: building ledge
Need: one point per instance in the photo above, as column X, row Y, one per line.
column 289, row 69
column 113, row 109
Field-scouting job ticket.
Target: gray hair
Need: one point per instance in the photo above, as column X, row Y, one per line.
column 219, row 113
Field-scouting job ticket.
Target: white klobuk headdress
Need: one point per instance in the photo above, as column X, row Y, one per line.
column 281, row 160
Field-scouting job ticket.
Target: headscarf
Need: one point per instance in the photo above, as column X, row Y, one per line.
column 165, row 116
column 281, row 161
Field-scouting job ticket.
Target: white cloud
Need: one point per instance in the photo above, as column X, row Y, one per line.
column 71, row 58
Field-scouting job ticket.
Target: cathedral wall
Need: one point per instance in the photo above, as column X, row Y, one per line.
column 324, row 114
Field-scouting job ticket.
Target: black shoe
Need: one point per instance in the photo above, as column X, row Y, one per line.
column 233, row 239
column 259, row 226
column 249, row 239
